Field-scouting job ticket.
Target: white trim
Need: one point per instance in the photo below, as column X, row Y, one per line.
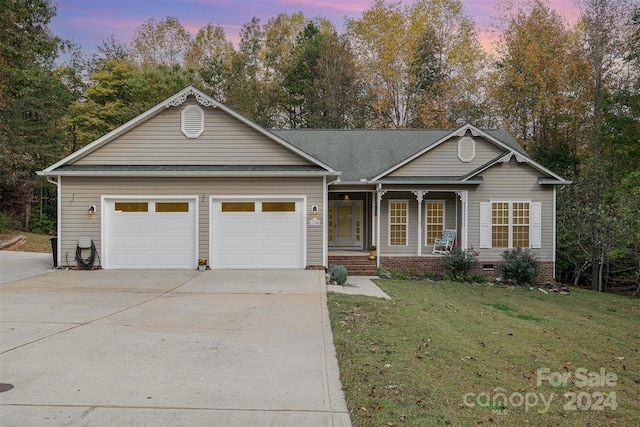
column 252, row 197
column 59, row 216
column 406, row 201
column 185, row 173
column 325, row 223
column 143, row 197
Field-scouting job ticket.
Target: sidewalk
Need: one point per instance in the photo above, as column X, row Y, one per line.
column 359, row 285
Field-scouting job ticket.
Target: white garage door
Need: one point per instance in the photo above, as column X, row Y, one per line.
column 257, row 234
column 150, row 234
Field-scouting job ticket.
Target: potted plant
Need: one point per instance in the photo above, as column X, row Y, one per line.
column 373, row 252
column 202, row 264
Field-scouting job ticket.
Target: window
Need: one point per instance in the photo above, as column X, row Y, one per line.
column 192, row 121
column 435, row 221
column 238, row 207
column 131, row 207
column 510, row 224
column 278, row 206
column 172, row 206
column 398, row 221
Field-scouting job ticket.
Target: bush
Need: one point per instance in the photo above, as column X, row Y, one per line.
column 459, row 263
column 5, row 220
column 519, row 266
column 338, row 273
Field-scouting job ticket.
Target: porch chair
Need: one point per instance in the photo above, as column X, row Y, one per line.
column 443, row 246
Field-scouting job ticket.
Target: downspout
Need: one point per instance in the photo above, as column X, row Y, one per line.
column 56, row 182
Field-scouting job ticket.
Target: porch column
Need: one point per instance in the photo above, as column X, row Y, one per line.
column 419, row 196
column 464, row 197
column 379, row 193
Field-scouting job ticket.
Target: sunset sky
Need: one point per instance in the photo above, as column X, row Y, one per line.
column 89, row 22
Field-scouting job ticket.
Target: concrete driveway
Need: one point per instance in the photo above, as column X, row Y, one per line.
column 168, row 348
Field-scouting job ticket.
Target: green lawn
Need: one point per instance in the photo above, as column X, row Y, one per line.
column 468, row 355
column 35, row 242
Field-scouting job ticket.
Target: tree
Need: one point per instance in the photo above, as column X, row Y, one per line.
column 447, row 47
column 420, row 65
column 210, row 54
column 605, row 26
column 535, row 81
column 337, row 100
column 33, row 101
column 161, row 42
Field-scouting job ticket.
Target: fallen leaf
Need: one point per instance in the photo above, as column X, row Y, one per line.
column 372, row 349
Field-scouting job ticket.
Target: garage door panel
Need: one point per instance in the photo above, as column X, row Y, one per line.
column 258, row 239
column 131, row 243
column 237, row 260
column 172, row 243
column 151, row 238
column 131, row 260
column 123, row 223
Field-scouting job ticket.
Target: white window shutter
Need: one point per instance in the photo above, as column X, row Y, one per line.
column 485, row 225
column 536, row 226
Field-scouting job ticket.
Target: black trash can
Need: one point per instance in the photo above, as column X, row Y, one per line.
column 54, row 250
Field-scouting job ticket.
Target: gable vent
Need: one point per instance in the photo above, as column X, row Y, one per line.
column 192, row 121
column 466, row 149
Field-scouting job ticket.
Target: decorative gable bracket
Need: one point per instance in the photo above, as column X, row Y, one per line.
column 508, row 157
column 204, row 101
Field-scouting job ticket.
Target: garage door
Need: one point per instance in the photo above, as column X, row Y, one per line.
column 257, row 233
column 150, row 233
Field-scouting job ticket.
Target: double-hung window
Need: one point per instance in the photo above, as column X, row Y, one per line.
column 398, row 222
column 510, row 224
column 434, row 214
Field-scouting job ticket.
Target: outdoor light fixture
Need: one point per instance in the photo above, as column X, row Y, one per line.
column 91, row 210
column 314, row 210
column 345, row 197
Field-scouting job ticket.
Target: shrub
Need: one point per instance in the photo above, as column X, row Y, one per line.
column 5, row 220
column 519, row 266
column 459, row 263
column 338, row 273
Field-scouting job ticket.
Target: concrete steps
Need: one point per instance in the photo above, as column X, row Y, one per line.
column 359, row 265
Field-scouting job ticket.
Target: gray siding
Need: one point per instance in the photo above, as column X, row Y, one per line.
column 159, row 141
column 77, row 193
column 512, row 181
column 443, row 160
column 452, row 220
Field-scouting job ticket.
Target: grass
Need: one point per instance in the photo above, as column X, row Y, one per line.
column 35, row 242
column 465, row 355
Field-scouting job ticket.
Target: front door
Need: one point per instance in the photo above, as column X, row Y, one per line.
column 345, row 219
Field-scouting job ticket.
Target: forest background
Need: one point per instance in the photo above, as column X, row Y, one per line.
column 568, row 92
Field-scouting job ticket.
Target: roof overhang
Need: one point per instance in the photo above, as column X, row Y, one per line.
column 189, row 171
column 431, row 180
column 551, row 181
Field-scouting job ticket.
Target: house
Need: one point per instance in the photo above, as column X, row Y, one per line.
column 191, row 178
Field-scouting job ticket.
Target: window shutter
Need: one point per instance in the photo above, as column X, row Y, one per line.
column 192, row 121
column 536, row 226
column 485, row 225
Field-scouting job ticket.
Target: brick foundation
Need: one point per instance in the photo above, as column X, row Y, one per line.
column 435, row 266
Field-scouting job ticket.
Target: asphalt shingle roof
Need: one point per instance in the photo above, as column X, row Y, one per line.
column 366, row 153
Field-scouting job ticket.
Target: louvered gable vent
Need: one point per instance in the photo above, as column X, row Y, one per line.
column 466, row 149
column 192, row 121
